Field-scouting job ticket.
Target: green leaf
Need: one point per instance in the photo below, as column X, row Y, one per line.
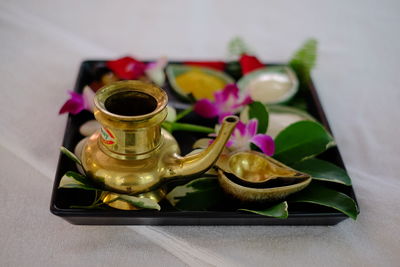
column 304, row 59
column 258, row 111
column 140, row 202
column 70, row 155
column 237, row 47
column 79, row 177
column 75, row 180
column 278, row 211
column 323, row 170
column 301, row 140
column 199, row 194
column 318, row 194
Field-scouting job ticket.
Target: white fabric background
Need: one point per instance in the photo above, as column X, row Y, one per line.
column 41, row 46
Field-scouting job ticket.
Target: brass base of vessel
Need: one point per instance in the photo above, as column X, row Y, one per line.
column 108, row 199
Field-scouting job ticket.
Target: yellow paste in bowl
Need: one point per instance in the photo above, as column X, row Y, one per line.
column 199, row 84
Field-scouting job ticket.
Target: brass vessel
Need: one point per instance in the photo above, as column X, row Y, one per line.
column 131, row 153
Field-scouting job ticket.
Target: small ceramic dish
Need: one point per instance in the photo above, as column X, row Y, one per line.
column 196, row 82
column 270, row 85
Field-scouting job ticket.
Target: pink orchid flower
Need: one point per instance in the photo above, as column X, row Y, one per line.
column 79, row 102
column 227, row 102
column 245, row 134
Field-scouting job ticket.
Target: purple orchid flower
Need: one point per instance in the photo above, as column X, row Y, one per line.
column 79, row 102
column 227, row 102
column 246, row 134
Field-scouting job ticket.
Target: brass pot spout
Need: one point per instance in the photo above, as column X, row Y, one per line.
column 131, row 153
column 196, row 164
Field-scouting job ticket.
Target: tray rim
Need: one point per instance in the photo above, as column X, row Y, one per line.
column 149, row 217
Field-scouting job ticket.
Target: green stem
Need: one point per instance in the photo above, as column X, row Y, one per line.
column 182, row 114
column 191, row 127
column 177, row 126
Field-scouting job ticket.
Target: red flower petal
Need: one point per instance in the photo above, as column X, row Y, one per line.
column 127, row 68
column 217, row 65
column 249, row 63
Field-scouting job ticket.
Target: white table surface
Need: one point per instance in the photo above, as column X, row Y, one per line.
column 42, row 44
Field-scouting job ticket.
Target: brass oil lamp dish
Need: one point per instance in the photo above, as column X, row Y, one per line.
column 253, row 176
column 131, row 153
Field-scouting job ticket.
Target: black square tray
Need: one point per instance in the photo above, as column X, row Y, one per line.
column 62, row 199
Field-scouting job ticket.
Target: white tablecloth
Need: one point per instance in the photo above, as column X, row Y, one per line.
column 41, row 46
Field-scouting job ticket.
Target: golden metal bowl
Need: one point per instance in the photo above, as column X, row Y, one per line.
column 255, row 177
